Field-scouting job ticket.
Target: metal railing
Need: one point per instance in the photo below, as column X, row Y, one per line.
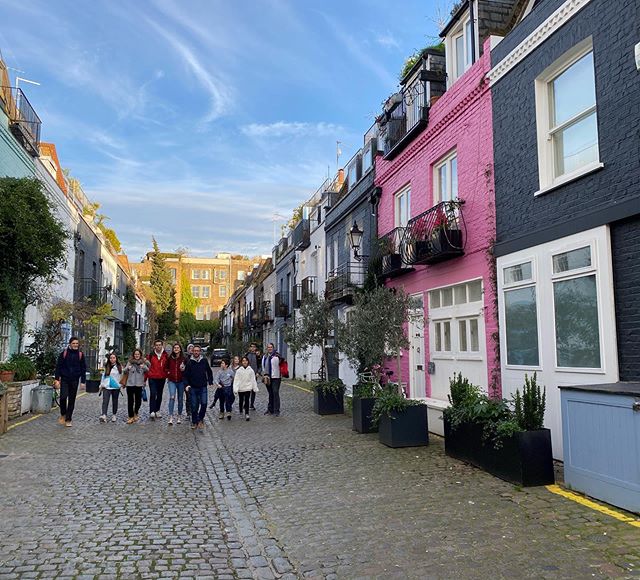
column 89, row 289
column 389, row 254
column 282, row 305
column 342, row 282
column 24, row 121
column 435, row 235
column 119, row 306
column 410, row 110
column 264, row 313
column 302, row 235
column 309, row 285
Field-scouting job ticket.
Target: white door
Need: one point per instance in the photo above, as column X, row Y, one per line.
column 416, row 348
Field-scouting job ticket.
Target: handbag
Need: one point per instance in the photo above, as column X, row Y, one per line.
column 144, row 394
column 123, row 379
column 266, row 379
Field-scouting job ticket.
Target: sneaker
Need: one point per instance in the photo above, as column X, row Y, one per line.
column 68, row 424
column 221, row 415
column 114, row 419
column 152, row 415
column 267, row 413
column 170, row 420
column 61, row 420
column 229, row 416
column 246, row 417
column 103, row 418
column 158, row 415
column 179, row 420
column 252, row 408
column 193, row 425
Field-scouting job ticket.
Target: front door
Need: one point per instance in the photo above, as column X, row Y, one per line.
column 416, row 348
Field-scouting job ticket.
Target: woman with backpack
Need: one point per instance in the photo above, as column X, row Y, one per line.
column 135, row 370
column 110, row 387
column 175, row 368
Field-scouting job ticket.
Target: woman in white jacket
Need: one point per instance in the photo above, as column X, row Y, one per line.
column 244, row 383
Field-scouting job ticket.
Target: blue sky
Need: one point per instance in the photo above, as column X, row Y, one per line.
column 195, row 120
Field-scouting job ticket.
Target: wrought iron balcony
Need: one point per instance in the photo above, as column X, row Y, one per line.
column 389, row 254
column 282, row 305
column 344, row 280
column 118, row 305
column 302, row 235
column 309, row 285
column 435, row 235
column 24, row 122
column 89, row 289
column 264, row 313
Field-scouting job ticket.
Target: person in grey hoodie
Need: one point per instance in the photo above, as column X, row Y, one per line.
column 225, row 383
column 135, row 370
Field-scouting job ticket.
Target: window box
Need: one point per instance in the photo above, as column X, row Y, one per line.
column 523, row 459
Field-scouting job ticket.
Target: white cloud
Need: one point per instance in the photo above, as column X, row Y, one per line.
column 387, row 40
column 286, row 129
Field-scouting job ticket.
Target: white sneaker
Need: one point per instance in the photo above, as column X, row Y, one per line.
column 158, row 416
column 170, row 420
column 114, row 419
column 179, row 420
column 103, row 418
column 152, row 415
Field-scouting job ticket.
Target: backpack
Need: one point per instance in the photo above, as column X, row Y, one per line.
column 64, row 354
column 284, row 368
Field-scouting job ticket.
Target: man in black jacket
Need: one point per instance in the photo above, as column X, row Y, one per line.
column 71, row 369
column 197, row 377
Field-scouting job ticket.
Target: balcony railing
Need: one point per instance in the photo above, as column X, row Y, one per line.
column 309, row 287
column 119, row 306
column 281, row 248
column 282, row 305
column 343, row 281
column 88, row 289
column 264, row 313
column 302, row 235
column 435, row 235
column 24, row 122
column 389, row 254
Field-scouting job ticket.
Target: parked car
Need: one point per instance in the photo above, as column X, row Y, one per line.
column 218, row 355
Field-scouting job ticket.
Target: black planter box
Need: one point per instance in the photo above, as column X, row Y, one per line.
column 405, row 429
column 362, row 408
column 523, row 459
column 92, row 385
column 328, row 404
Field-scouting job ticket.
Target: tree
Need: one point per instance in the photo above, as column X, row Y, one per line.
column 375, row 329
column 163, row 292
column 32, row 246
column 99, row 219
column 128, row 332
column 167, row 320
column 188, row 302
column 315, row 324
column 187, row 326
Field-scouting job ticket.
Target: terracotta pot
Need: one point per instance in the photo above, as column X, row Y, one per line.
column 7, row 376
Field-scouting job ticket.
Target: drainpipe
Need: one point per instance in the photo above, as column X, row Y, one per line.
column 293, row 264
column 473, row 31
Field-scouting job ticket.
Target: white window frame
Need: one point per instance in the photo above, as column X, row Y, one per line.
column 195, row 291
column 591, row 270
column 200, row 313
column 195, row 274
column 222, row 274
column 445, row 162
column 222, row 291
column 462, row 28
column 544, row 104
column 402, row 197
column 503, row 289
column 205, row 292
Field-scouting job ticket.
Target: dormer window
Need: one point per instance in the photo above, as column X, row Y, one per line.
column 459, row 46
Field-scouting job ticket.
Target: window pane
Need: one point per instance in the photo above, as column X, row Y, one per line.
column 460, row 293
column 580, row 258
column 462, row 335
column 576, row 146
column 517, row 273
column 467, row 35
column 459, row 51
column 521, row 326
column 447, row 296
column 574, row 90
column 473, row 331
column 442, row 181
column 475, row 291
column 577, row 330
column 446, row 327
column 434, row 299
column 454, row 178
column 438, row 337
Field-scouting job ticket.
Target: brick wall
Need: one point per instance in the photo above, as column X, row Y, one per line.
column 625, row 242
column 519, row 212
column 14, row 400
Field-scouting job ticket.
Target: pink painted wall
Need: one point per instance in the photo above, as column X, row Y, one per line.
column 460, row 119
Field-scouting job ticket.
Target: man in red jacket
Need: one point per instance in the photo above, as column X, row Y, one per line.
column 157, row 376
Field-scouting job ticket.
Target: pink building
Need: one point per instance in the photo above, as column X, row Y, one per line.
column 436, row 225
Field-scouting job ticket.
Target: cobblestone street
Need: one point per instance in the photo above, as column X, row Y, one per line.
column 291, row 497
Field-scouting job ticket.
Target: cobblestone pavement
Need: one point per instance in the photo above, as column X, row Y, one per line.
column 299, row 496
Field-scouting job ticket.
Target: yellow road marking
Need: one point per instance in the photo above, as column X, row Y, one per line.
column 593, row 505
column 14, row 425
column 297, row 387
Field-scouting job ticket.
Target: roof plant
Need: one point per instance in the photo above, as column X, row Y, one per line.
column 412, row 59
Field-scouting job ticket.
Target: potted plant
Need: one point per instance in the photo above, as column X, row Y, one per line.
column 93, row 382
column 25, row 370
column 328, row 397
column 401, row 422
column 7, row 372
column 509, row 443
column 364, row 397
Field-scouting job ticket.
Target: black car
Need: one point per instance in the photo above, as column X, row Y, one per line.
column 218, row 355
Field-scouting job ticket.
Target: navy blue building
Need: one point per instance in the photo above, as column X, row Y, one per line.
column 566, row 104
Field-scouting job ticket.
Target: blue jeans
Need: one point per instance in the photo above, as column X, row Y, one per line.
column 198, row 397
column 226, row 398
column 173, row 388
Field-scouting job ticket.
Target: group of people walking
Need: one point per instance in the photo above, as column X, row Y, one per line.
column 187, row 375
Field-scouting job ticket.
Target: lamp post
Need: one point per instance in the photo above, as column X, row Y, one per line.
column 355, row 240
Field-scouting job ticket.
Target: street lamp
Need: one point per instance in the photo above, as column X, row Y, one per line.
column 355, row 239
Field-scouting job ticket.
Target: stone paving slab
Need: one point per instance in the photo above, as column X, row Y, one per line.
column 299, row 496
